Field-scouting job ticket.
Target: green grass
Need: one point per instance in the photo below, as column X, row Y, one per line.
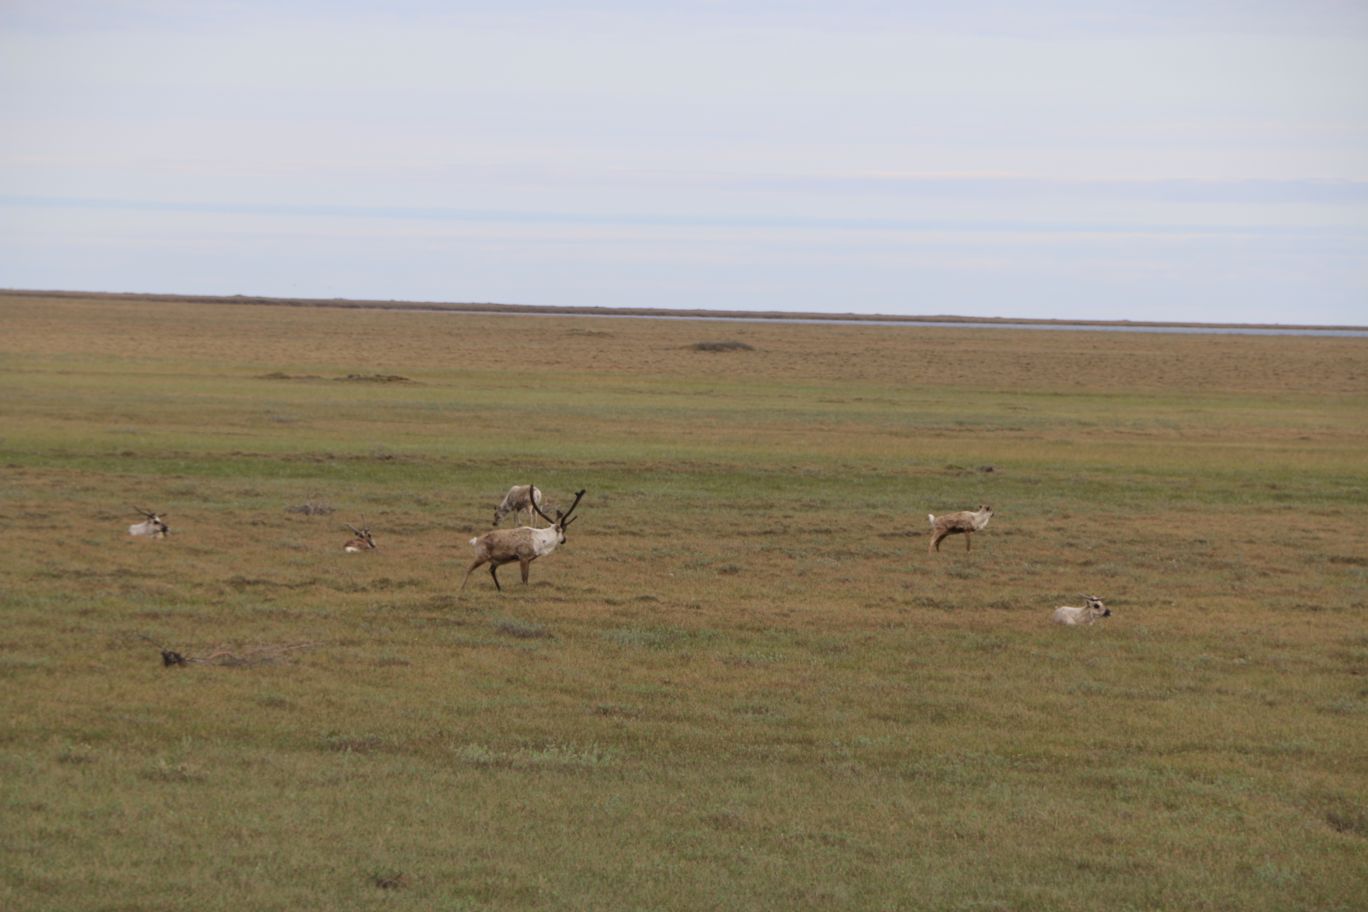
column 742, row 683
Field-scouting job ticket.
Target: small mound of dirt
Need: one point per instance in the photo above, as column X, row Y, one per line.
column 375, row 378
column 281, row 375
column 728, row 346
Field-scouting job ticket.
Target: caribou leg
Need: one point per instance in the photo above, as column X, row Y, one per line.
column 468, row 572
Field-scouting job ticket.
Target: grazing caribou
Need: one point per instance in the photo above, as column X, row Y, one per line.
column 362, row 541
column 152, row 526
column 517, row 500
column 524, row 545
column 965, row 522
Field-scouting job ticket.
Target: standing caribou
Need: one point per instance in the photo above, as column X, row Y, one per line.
column 965, row 522
column 362, row 541
column 518, row 498
column 524, row 545
column 152, row 525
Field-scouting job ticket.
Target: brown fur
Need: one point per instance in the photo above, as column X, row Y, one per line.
column 965, row 522
column 503, row 546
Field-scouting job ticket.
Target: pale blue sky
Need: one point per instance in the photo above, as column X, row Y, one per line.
column 1148, row 160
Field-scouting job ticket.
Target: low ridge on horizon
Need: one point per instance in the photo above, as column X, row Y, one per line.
column 493, row 307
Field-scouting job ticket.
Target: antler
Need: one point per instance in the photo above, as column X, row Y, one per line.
column 562, row 519
column 148, row 513
column 353, row 528
column 532, row 499
column 565, row 517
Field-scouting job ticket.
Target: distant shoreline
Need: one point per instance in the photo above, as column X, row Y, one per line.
column 693, row 313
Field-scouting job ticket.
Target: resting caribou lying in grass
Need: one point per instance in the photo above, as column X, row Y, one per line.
column 153, row 525
column 524, row 544
column 362, row 541
column 1090, row 613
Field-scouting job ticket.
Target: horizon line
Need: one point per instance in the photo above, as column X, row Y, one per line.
column 491, row 308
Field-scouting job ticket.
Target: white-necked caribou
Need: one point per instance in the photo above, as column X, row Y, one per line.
column 524, row 545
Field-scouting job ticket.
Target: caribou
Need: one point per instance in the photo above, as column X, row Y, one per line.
column 152, row 525
column 1090, row 613
column 524, row 544
column 965, row 522
column 362, row 541
column 518, row 499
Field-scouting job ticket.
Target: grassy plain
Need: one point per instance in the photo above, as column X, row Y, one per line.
column 742, row 684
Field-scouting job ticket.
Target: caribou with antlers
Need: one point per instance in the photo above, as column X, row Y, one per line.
column 524, row 544
column 363, row 540
column 152, row 525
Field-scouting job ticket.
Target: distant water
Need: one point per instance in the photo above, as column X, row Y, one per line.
column 914, row 324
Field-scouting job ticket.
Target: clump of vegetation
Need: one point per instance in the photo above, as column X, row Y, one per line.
column 390, row 881
column 728, row 346
column 555, row 756
column 345, row 744
column 523, row 630
column 165, row 771
column 312, row 508
column 281, row 375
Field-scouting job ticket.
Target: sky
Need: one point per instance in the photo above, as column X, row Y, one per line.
column 1201, row 160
